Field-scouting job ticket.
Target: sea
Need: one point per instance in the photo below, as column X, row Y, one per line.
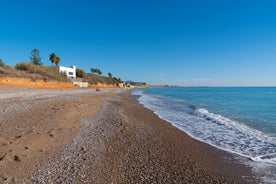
column 239, row 120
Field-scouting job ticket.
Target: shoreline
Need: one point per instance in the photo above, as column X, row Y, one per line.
column 115, row 139
column 229, row 166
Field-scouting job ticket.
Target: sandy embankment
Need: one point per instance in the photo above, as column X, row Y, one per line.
column 38, row 83
column 81, row 136
column 42, row 84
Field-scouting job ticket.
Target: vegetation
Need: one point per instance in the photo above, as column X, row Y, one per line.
column 109, row 75
column 30, row 70
column 94, row 79
column 35, row 58
column 80, row 73
column 2, row 64
column 35, row 70
column 96, row 70
column 42, row 72
column 9, row 71
column 54, row 59
column 118, row 80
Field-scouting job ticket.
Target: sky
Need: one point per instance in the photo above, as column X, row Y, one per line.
column 174, row 42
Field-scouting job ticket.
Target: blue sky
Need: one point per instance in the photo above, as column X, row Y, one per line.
column 178, row 42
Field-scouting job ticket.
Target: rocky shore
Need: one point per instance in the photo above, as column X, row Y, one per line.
column 84, row 136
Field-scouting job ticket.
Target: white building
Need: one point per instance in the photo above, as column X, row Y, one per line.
column 69, row 71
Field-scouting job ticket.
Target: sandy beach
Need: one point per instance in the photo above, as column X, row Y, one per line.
column 84, row 136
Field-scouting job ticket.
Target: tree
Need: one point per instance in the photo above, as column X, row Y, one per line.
column 93, row 70
column 80, row 73
column 54, row 59
column 35, row 58
column 96, row 70
column 99, row 72
column 118, row 80
column 57, row 61
column 109, row 75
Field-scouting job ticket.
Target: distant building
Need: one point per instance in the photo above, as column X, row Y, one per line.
column 130, row 86
column 122, row 85
column 69, row 71
column 81, row 84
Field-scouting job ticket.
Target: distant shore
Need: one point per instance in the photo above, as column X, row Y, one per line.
column 84, row 136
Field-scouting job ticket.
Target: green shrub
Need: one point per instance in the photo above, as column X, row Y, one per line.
column 22, row 66
column 94, row 79
column 80, row 73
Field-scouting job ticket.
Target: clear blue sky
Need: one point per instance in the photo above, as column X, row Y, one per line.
column 179, row 42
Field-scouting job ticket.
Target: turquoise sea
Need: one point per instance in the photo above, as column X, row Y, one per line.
column 240, row 120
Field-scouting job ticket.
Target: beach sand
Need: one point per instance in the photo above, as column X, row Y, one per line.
column 84, row 136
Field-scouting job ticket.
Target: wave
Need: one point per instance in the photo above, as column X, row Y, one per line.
column 211, row 128
column 241, row 139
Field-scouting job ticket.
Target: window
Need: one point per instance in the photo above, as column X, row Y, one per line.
column 70, row 73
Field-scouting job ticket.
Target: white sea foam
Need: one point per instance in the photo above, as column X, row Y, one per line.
column 218, row 131
column 214, row 129
column 239, row 138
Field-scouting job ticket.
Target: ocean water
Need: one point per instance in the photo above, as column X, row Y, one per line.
column 237, row 120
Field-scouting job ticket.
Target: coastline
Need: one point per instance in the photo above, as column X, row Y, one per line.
column 115, row 139
column 208, row 164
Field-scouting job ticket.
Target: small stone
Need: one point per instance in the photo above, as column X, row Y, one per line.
column 2, row 157
column 16, row 158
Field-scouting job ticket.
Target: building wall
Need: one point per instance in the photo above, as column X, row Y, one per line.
column 70, row 72
column 122, row 85
column 81, row 84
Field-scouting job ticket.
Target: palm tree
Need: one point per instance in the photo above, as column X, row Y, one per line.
column 53, row 58
column 57, row 61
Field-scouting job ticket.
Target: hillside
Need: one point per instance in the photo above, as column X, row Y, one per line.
column 94, row 79
column 29, row 74
column 34, row 72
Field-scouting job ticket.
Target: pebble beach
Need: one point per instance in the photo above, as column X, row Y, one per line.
column 106, row 136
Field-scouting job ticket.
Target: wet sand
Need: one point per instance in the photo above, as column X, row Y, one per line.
column 84, row 136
